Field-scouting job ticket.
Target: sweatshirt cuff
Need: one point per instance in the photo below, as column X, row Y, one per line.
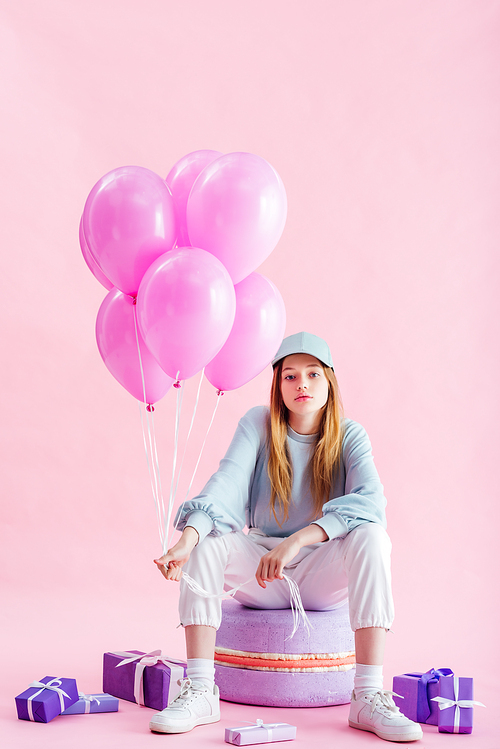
column 333, row 525
column 201, row 522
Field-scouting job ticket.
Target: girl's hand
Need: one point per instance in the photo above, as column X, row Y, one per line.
column 171, row 563
column 271, row 565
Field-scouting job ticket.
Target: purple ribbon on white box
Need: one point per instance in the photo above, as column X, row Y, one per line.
column 445, row 703
column 88, row 698
column 151, row 659
column 54, row 685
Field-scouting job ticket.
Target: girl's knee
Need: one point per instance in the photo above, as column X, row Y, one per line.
column 371, row 538
column 209, row 550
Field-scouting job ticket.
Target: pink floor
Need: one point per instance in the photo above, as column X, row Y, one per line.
column 129, row 728
column 54, row 644
column 64, row 632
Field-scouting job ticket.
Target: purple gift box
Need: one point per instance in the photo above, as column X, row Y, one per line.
column 416, row 693
column 455, row 702
column 260, row 733
column 93, row 703
column 45, row 699
column 146, row 678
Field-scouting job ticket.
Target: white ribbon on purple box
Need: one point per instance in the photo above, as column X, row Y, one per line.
column 445, row 703
column 54, row 685
column 151, row 659
column 88, row 699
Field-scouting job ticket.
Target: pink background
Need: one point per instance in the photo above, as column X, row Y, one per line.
column 383, row 121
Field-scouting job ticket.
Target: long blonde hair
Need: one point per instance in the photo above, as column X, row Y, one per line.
column 327, row 451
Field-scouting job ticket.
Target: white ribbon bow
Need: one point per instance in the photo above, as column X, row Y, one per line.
column 88, row 699
column 445, row 703
column 259, row 723
column 54, row 685
column 151, row 659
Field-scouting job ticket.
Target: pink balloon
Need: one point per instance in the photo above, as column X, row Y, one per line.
column 91, row 263
column 180, row 180
column 117, row 343
column 185, row 307
column 237, row 211
column 129, row 221
column 255, row 337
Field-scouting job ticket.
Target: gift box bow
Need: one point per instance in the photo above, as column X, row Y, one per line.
column 445, row 703
column 54, row 685
column 88, row 698
column 268, row 727
column 150, row 659
column 431, row 676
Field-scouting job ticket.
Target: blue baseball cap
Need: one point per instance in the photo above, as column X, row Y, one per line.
column 304, row 343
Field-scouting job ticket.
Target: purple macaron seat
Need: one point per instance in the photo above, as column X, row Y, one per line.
column 256, row 663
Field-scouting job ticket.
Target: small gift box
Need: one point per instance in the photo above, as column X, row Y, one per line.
column 93, row 703
column 414, row 694
column 146, row 678
column 45, row 699
column 260, row 733
column 455, row 704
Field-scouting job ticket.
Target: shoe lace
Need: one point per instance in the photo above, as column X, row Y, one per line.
column 187, row 689
column 384, row 702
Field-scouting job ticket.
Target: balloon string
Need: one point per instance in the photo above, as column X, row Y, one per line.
column 150, row 471
column 164, row 531
column 150, row 446
column 194, row 473
column 189, row 433
column 152, row 452
column 156, row 475
column 296, row 605
column 178, row 408
column 134, row 312
column 197, row 588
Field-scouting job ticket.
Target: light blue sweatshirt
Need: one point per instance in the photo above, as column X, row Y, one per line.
column 238, row 493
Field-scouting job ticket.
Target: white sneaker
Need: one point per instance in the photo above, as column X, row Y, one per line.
column 194, row 706
column 376, row 712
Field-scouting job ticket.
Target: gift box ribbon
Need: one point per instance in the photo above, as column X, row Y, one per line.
column 88, row 699
column 445, row 703
column 54, row 685
column 268, row 727
column 150, row 659
column 434, row 674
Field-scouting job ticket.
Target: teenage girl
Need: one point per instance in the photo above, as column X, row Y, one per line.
column 302, row 478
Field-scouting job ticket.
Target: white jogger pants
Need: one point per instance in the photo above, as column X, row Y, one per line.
column 356, row 567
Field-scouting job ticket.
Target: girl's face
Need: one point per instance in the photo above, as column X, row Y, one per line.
column 304, row 386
